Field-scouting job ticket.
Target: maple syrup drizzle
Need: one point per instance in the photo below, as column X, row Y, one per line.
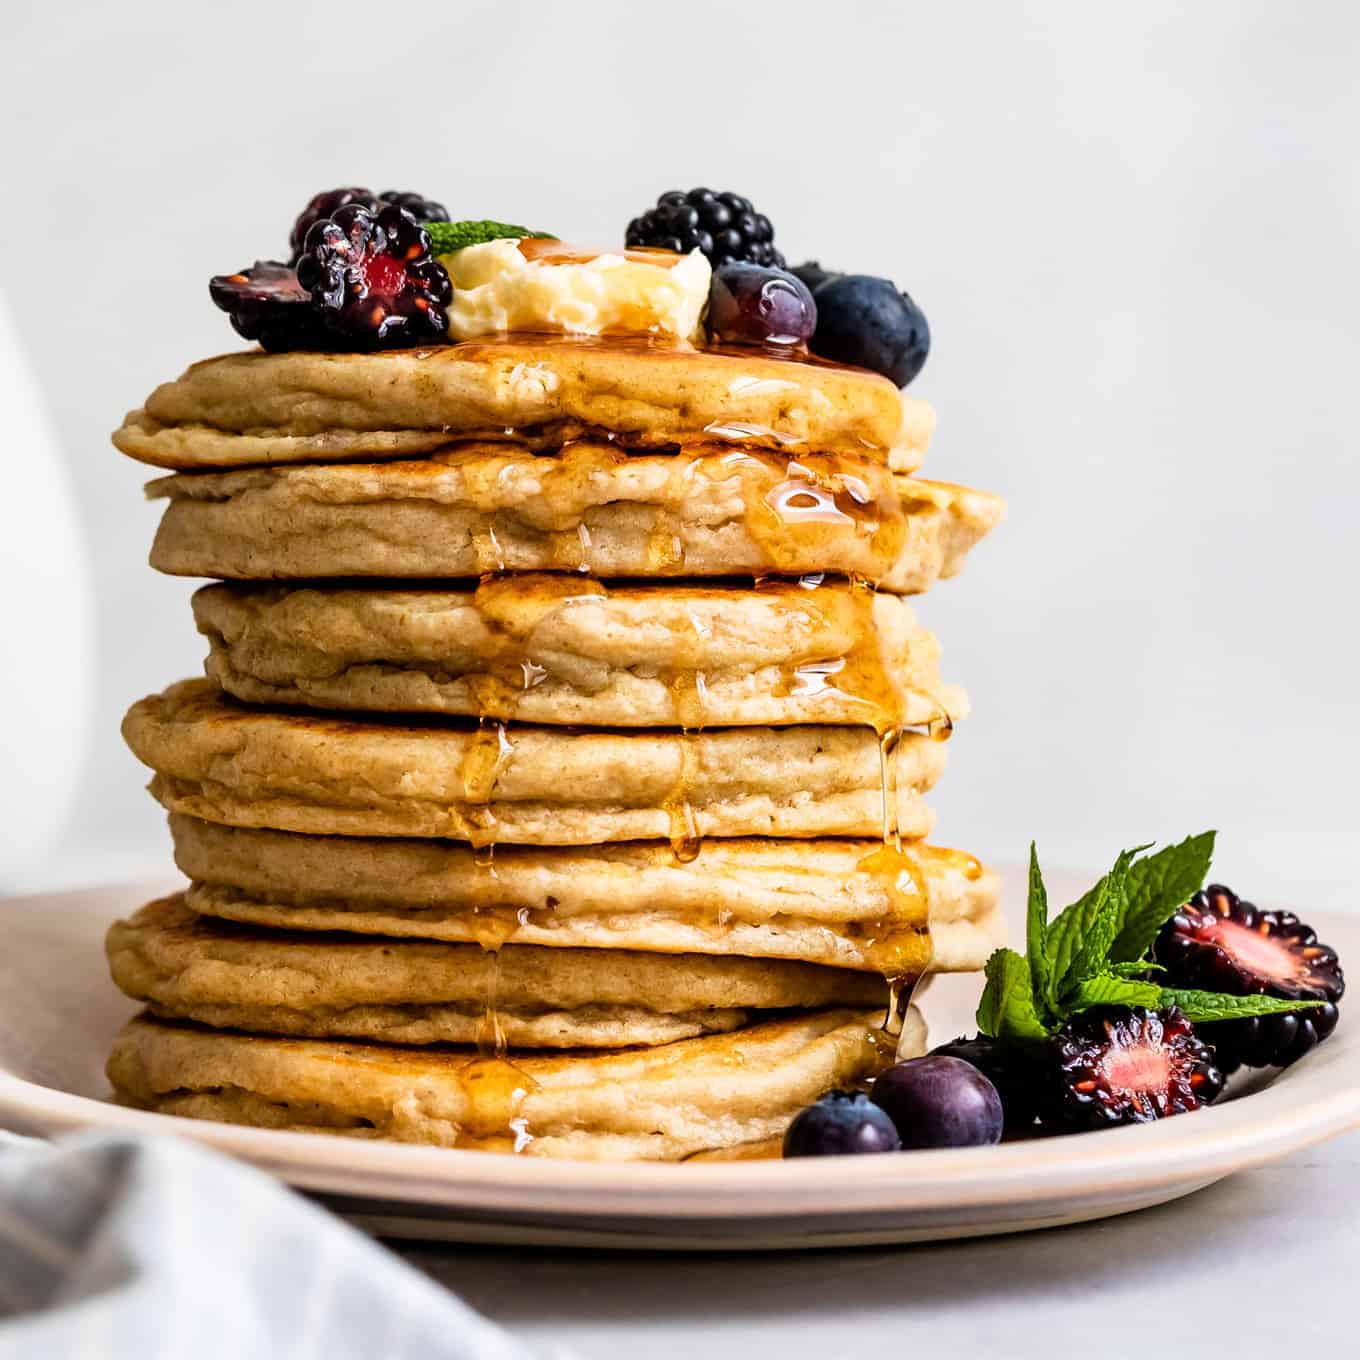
column 494, row 1086
column 490, row 1031
column 546, row 251
column 511, row 608
column 808, row 507
column 688, row 689
column 495, row 1090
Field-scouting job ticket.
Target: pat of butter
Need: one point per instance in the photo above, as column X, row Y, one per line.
column 550, row 287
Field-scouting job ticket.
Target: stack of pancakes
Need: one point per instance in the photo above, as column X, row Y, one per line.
column 558, row 780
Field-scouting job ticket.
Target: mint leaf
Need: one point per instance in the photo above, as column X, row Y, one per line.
column 1158, row 885
column 1108, row 990
column 1137, row 969
column 1036, row 936
column 1067, row 930
column 1203, row 1006
column 1103, row 923
column 1007, row 1009
column 446, row 237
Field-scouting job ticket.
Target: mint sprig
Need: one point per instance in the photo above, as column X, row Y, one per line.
column 446, row 237
column 1094, row 952
column 1008, row 1005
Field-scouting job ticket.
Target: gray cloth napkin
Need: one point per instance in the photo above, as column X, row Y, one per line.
column 115, row 1247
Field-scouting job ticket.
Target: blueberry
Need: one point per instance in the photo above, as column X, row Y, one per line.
column 1011, row 1070
column 751, row 304
column 867, row 322
column 940, row 1102
column 839, row 1124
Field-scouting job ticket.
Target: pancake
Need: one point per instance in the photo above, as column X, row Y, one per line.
column 834, row 902
column 191, row 967
column 719, row 1093
column 219, row 760
column 256, row 408
column 486, row 507
column 566, row 650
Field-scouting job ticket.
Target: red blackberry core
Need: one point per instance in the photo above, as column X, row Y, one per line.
column 373, row 278
column 1220, row 943
column 1117, row 1065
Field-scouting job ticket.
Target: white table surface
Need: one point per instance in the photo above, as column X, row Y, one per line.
column 1263, row 1264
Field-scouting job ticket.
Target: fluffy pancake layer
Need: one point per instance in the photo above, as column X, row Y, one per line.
column 566, row 650
column 256, row 408
column 589, row 508
column 217, row 759
column 831, row 902
column 190, row 967
column 719, row 1093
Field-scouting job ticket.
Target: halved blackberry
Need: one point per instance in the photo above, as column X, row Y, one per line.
column 267, row 303
column 421, row 208
column 1120, row 1065
column 373, row 278
column 326, row 204
column 1220, row 943
column 723, row 226
column 1015, row 1072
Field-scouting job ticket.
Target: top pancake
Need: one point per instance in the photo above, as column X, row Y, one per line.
column 255, row 408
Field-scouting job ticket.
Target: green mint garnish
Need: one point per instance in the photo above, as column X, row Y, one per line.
column 1219, row 1006
column 1007, row 1008
column 1094, row 953
column 446, row 237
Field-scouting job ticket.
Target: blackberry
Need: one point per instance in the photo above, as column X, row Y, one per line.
column 326, row 204
column 1116, row 1065
column 421, row 208
column 374, row 279
column 267, row 303
column 723, row 226
column 1012, row 1070
column 812, row 274
column 1220, row 943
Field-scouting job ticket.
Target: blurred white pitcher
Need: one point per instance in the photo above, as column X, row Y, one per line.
column 46, row 613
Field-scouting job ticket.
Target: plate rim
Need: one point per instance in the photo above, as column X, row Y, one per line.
column 1303, row 1105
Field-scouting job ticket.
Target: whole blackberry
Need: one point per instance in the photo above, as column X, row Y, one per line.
column 1220, row 943
column 812, row 274
column 421, row 208
column 1116, row 1065
column 1013, row 1071
column 267, row 303
column 326, row 204
column 373, row 278
column 723, row 226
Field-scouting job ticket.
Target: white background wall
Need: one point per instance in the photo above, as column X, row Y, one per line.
column 1133, row 229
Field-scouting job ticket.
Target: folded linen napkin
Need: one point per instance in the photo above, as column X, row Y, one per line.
column 115, row 1247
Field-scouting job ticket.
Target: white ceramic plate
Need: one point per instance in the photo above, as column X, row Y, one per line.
column 58, row 1014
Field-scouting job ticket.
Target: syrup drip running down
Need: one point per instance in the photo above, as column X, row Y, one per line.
column 495, row 1090
column 495, row 1087
column 898, row 942
column 687, row 687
